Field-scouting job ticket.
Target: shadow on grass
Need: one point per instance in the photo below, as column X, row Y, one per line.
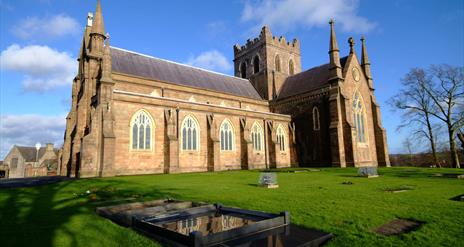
column 433, row 174
column 350, row 176
column 64, row 213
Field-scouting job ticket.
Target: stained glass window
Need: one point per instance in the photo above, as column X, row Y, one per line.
column 141, row 127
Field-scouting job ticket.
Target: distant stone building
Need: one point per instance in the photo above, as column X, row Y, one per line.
column 22, row 162
column 136, row 114
column 3, row 170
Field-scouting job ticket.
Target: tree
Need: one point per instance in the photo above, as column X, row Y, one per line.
column 417, row 107
column 408, row 144
column 446, row 89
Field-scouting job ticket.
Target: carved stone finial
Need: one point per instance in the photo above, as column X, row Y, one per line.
column 107, row 40
column 351, row 42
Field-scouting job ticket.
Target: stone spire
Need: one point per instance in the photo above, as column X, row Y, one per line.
column 364, row 57
column 97, row 33
column 365, row 64
column 334, row 54
column 351, row 42
column 97, row 25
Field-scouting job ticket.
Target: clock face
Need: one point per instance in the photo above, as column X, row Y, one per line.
column 355, row 74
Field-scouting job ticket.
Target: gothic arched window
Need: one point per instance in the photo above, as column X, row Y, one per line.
column 291, row 67
column 316, row 120
column 256, row 64
column 141, row 131
column 243, row 70
column 359, row 117
column 227, row 136
column 277, row 63
column 190, row 134
column 257, row 137
column 281, row 140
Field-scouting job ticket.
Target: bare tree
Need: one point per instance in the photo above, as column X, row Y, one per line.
column 417, row 106
column 447, row 94
column 408, row 144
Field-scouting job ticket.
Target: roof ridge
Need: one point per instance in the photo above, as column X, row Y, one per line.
column 181, row 64
column 315, row 67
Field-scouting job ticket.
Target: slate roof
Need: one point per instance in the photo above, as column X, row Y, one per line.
column 308, row 80
column 132, row 63
column 29, row 153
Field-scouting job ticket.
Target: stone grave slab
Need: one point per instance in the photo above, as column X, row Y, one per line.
column 397, row 227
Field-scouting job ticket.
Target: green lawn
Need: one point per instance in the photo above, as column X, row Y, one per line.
column 63, row 214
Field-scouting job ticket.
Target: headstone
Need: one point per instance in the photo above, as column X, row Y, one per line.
column 368, row 171
column 461, row 176
column 268, row 180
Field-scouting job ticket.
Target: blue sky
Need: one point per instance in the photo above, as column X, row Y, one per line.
column 39, row 42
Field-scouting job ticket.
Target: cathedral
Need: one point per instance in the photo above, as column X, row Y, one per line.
column 132, row 113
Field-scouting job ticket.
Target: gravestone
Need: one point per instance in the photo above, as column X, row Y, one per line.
column 268, row 180
column 368, row 171
column 397, row 227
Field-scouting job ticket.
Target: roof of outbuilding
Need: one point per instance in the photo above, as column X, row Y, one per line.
column 132, row 63
column 308, row 80
column 29, row 153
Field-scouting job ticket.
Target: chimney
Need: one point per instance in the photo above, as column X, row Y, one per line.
column 49, row 147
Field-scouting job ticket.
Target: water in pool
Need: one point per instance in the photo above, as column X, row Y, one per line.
column 208, row 223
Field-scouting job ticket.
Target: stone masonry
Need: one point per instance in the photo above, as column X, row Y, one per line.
column 133, row 114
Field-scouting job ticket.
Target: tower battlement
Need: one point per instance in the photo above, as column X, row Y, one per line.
column 266, row 37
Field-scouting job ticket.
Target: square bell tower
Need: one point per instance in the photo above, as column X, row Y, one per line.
column 267, row 61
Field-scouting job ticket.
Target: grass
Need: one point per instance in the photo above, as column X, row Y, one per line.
column 63, row 214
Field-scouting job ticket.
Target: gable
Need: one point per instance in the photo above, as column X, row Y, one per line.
column 132, row 63
column 348, row 73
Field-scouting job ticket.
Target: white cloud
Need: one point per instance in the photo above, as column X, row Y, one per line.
column 211, row 60
column 43, row 67
column 289, row 14
column 47, row 27
column 17, row 129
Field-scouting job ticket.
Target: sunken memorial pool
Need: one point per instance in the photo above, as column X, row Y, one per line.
column 177, row 223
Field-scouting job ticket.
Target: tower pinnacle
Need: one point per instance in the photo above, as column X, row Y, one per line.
column 97, row 26
column 334, row 54
column 364, row 57
column 365, row 64
column 333, row 38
